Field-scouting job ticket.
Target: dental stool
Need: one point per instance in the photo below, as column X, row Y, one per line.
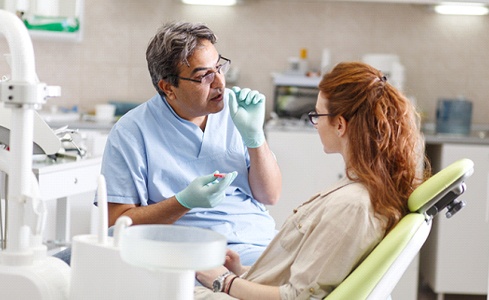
column 378, row 274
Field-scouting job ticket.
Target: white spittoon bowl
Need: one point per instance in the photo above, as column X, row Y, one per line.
column 172, row 247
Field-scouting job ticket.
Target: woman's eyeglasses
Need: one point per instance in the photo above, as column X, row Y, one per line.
column 314, row 116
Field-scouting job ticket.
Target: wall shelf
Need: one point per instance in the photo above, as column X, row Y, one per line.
column 65, row 9
column 56, row 36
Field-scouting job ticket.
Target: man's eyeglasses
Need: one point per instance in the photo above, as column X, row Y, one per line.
column 208, row 78
column 313, row 117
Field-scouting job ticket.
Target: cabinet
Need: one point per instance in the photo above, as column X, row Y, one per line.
column 455, row 258
column 61, row 180
column 306, row 169
column 294, row 95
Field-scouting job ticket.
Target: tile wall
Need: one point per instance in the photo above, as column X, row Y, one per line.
column 444, row 56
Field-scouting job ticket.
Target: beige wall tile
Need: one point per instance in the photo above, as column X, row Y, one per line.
column 444, row 56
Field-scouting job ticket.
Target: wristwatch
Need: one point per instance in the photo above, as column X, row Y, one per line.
column 218, row 284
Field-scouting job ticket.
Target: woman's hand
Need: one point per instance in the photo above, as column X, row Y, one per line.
column 207, row 277
column 233, row 263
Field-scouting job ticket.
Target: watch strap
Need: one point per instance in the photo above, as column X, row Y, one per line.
column 227, row 289
column 218, row 284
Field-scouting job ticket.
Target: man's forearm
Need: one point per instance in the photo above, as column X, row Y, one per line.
column 265, row 177
column 165, row 212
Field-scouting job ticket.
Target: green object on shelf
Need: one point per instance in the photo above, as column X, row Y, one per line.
column 59, row 24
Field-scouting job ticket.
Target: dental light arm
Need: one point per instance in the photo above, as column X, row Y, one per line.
column 22, row 94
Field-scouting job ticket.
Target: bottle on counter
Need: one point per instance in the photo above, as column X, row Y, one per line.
column 303, row 64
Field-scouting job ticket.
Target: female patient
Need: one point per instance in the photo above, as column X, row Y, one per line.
column 376, row 130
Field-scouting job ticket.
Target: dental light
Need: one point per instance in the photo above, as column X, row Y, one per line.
column 461, row 8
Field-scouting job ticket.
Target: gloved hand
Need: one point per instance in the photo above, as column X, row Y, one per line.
column 247, row 110
column 205, row 191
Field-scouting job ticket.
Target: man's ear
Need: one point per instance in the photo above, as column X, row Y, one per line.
column 167, row 88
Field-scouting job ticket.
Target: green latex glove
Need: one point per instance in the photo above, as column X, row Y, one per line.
column 205, row 191
column 247, row 110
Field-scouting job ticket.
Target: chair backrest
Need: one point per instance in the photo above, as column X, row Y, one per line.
column 378, row 274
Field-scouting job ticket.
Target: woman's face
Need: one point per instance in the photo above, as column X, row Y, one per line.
column 327, row 127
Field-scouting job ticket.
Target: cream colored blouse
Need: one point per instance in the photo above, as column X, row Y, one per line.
column 319, row 244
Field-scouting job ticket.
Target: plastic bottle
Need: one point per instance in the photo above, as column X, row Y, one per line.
column 303, row 65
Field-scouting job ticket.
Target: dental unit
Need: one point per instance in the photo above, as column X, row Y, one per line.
column 148, row 261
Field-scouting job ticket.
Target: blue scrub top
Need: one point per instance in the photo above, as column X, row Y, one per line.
column 152, row 154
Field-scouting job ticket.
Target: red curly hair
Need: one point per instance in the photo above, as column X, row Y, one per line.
column 386, row 146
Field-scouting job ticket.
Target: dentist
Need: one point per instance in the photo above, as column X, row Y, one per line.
column 161, row 157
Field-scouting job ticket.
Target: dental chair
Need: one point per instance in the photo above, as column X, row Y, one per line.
column 378, row 274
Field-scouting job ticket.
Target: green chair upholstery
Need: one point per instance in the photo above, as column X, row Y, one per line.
column 378, row 274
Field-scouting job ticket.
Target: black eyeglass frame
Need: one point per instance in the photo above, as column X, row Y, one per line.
column 314, row 114
column 218, row 70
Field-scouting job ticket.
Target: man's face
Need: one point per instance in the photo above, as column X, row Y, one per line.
column 192, row 100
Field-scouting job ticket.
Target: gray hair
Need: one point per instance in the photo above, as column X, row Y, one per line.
column 173, row 44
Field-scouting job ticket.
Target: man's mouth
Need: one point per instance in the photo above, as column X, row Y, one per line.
column 217, row 98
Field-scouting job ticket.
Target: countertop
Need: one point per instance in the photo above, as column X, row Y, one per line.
column 76, row 121
column 83, row 125
column 478, row 136
column 475, row 138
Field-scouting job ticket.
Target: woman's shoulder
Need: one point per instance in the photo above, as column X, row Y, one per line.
column 348, row 189
column 347, row 198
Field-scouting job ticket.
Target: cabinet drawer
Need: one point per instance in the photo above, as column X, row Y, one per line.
column 64, row 182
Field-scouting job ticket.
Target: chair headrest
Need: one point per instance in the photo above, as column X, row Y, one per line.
column 449, row 179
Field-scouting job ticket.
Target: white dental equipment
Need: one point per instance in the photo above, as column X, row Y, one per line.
column 45, row 139
column 25, row 271
column 143, row 261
